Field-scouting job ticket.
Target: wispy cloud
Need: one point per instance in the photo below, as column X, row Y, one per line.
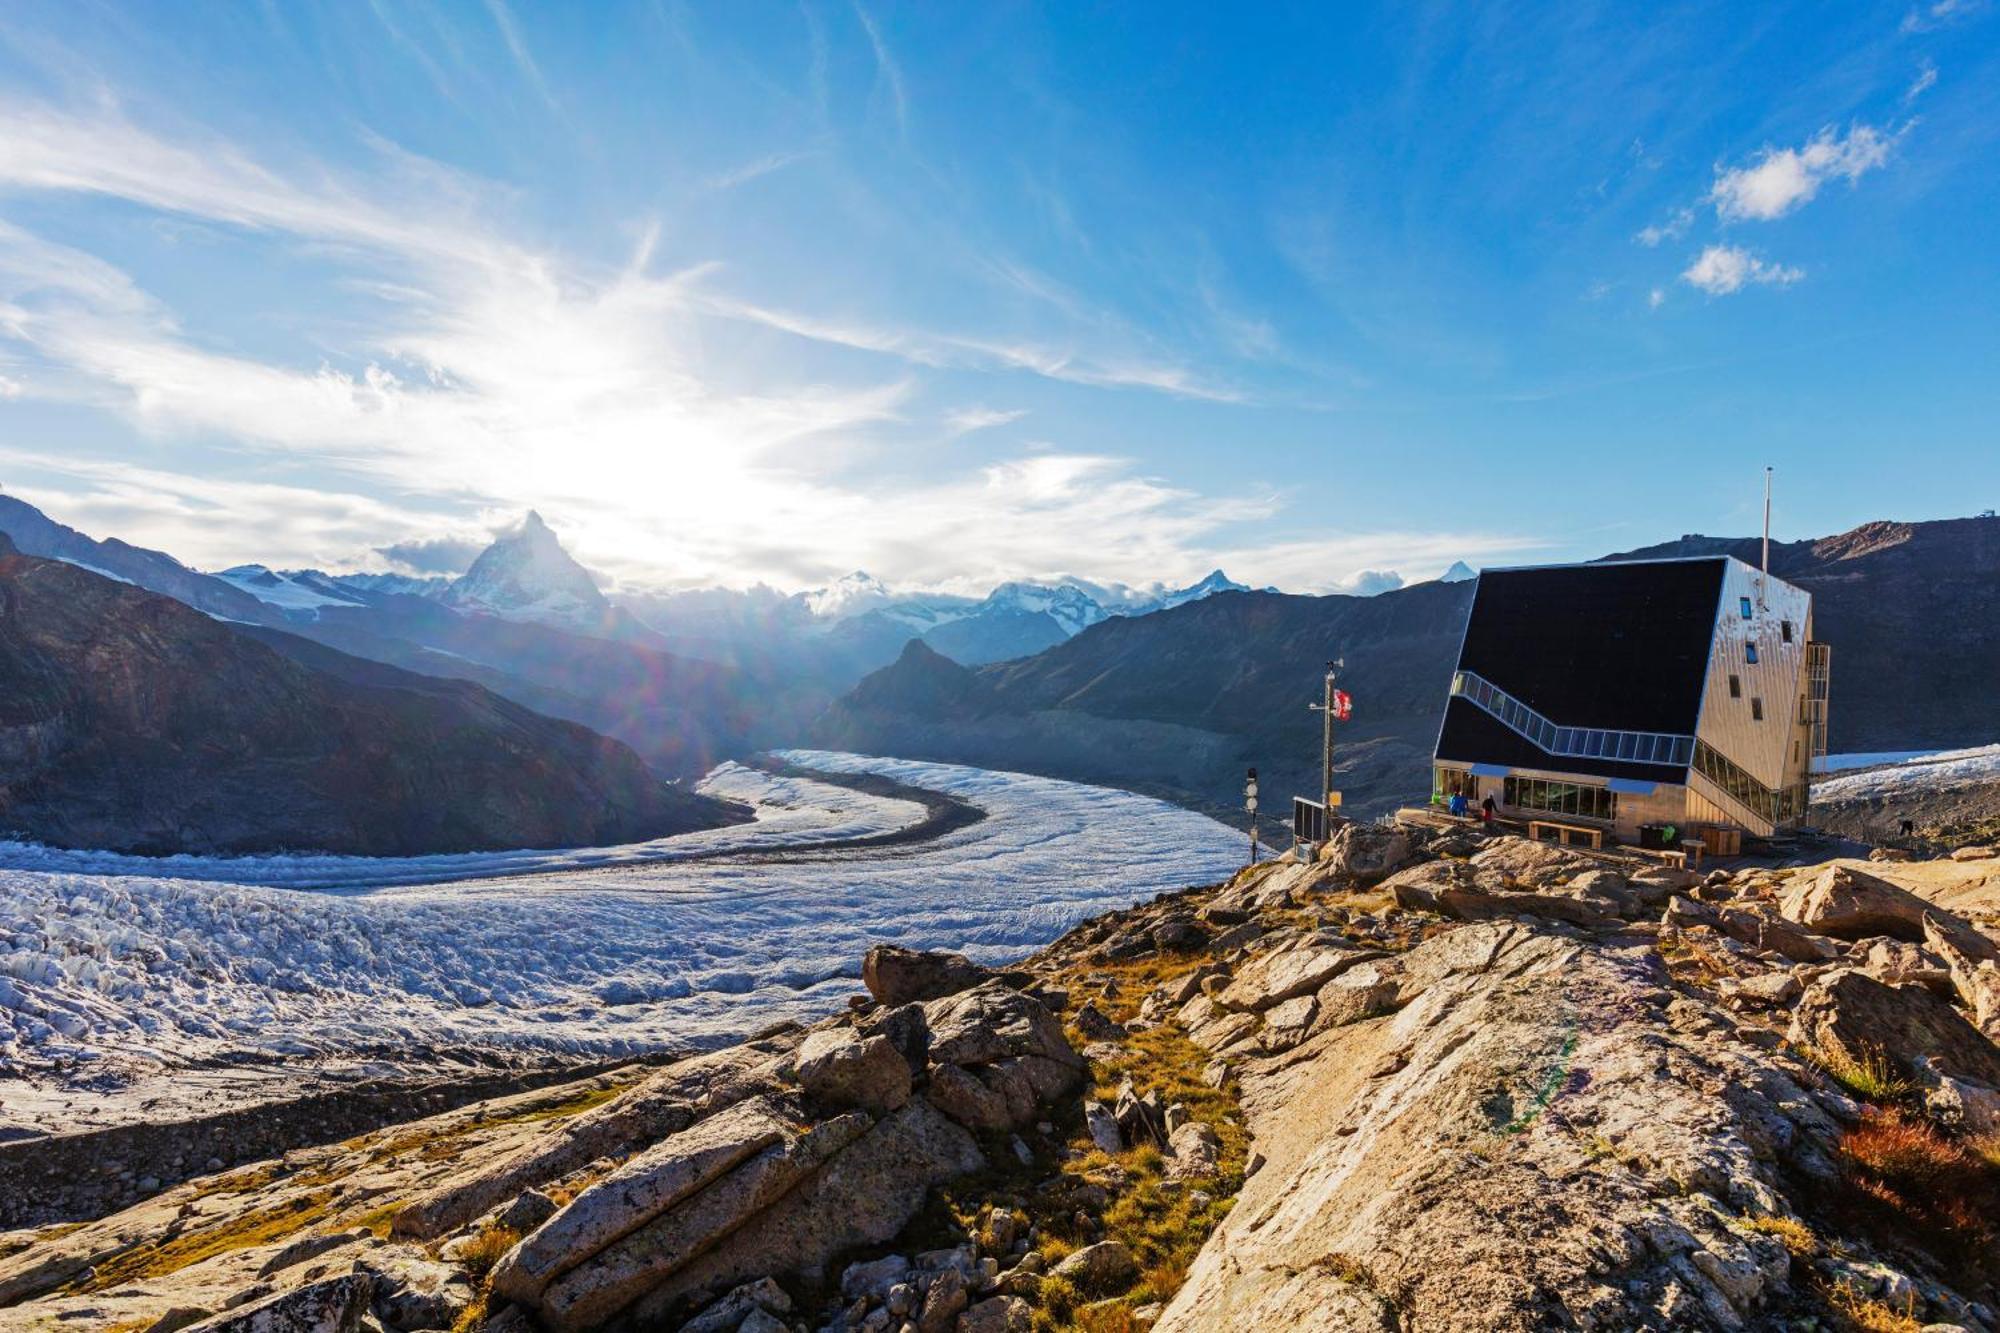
column 746, row 172
column 1784, row 179
column 1939, row 13
column 517, row 47
column 1927, row 77
column 890, row 72
column 965, row 420
column 488, row 375
column 1722, row 269
column 1672, row 229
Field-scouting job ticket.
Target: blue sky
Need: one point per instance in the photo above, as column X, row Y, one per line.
column 959, row 293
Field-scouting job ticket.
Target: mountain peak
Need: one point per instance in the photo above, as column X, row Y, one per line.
column 527, row 575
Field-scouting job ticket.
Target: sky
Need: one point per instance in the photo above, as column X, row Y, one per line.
column 757, row 292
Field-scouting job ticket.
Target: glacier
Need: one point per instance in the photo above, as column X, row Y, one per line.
column 108, row 976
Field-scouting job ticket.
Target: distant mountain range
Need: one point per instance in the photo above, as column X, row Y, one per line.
column 1180, row 702
column 132, row 722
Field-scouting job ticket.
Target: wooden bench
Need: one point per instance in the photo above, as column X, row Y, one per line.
column 1594, row 836
column 1687, row 856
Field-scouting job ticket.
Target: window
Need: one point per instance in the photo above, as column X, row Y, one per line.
column 1750, row 653
column 1756, row 710
column 1449, row 782
column 1795, row 752
column 1744, row 603
column 1560, row 798
column 1735, row 686
column 1785, row 628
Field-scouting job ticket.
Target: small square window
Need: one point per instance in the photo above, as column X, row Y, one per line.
column 1744, row 603
column 1785, row 629
column 1750, row 653
column 1756, row 710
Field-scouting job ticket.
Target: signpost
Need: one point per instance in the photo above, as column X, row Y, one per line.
column 1250, row 807
column 1337, row 706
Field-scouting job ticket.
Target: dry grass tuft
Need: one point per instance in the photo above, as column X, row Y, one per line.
column 1797, row 1238
column 1871, row 1076
column 487, row 1248
column 263, row 1226
column 1863, row 1312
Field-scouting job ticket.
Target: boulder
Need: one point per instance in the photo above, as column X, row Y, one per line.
column 1367, row 853
column 1852, row 904
column 529, row 1210
column 1976, row 981
column 992, row 1022
column 1178, row 937
column 1102, row 1125
column 411, row 1292
column 336, row 1305
column 874, row 1278
column 1289, row 1023
column 1193, row 1150
column 1477, row 902
column 864, row 1196
column 1852, row 1014
column 610, row 1279
column 664, row 1104
column 944, row 1300
column 1517, row 861
column 1104, row 1269
column 967, row 1100
column 1272, row 978
column 839, row 1067
column 1977, row 853
column 1096, row 1026
column 1360, row 992
column 637, row 1192
column 898, row 976
column 1141, row 1119
column 762, row 1296
column 1001, row 1314
column 906, row 1030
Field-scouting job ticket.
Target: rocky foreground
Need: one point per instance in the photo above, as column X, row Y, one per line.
column 1434, row 1080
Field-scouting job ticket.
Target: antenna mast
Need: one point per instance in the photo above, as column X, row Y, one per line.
column 1765, row 577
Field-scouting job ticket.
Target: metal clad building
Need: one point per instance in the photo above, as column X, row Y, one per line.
column 1686, row 692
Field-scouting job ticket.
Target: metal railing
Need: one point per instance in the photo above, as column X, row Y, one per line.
column 1638, row 747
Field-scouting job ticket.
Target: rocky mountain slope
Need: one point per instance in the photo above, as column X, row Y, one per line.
column 1436, row 1080
column 1180, row 702
column 131, row 722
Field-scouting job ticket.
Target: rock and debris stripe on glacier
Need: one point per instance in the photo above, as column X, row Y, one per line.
column 104, row 978
column 790, row 811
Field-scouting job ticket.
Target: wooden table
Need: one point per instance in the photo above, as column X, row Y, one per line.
column 1595, row 836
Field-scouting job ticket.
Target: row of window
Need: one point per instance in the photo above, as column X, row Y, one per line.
column 1779, row 807
column 1560, row 798
column 1640, row 747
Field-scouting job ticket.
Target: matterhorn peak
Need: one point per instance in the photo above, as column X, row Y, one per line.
column 527, row 575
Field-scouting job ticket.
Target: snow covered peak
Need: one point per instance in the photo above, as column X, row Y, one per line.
column 527, row 575
column 1068, row 605
column 1458, row 573
column 848, row 596
column 304, row 590
column 1217, row 581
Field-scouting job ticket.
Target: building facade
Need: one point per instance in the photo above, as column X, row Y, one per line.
column 1626, row 694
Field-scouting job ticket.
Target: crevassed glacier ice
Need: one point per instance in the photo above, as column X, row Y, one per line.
column 608, row 955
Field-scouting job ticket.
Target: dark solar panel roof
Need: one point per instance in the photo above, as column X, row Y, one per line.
column 1472, row 735
column 1623, row 647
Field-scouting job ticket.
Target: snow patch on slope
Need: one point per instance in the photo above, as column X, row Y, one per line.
column 1932, row 772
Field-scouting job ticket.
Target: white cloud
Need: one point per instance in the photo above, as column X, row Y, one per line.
column 1783, row 179
column 1671, row 230
column 965, row 420
column 1370, row 582
column 1722, row 269
column 10, row 387
column 1656, row 298
column 1926, row 79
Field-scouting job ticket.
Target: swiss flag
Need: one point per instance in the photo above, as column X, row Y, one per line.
column 1343, row 705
